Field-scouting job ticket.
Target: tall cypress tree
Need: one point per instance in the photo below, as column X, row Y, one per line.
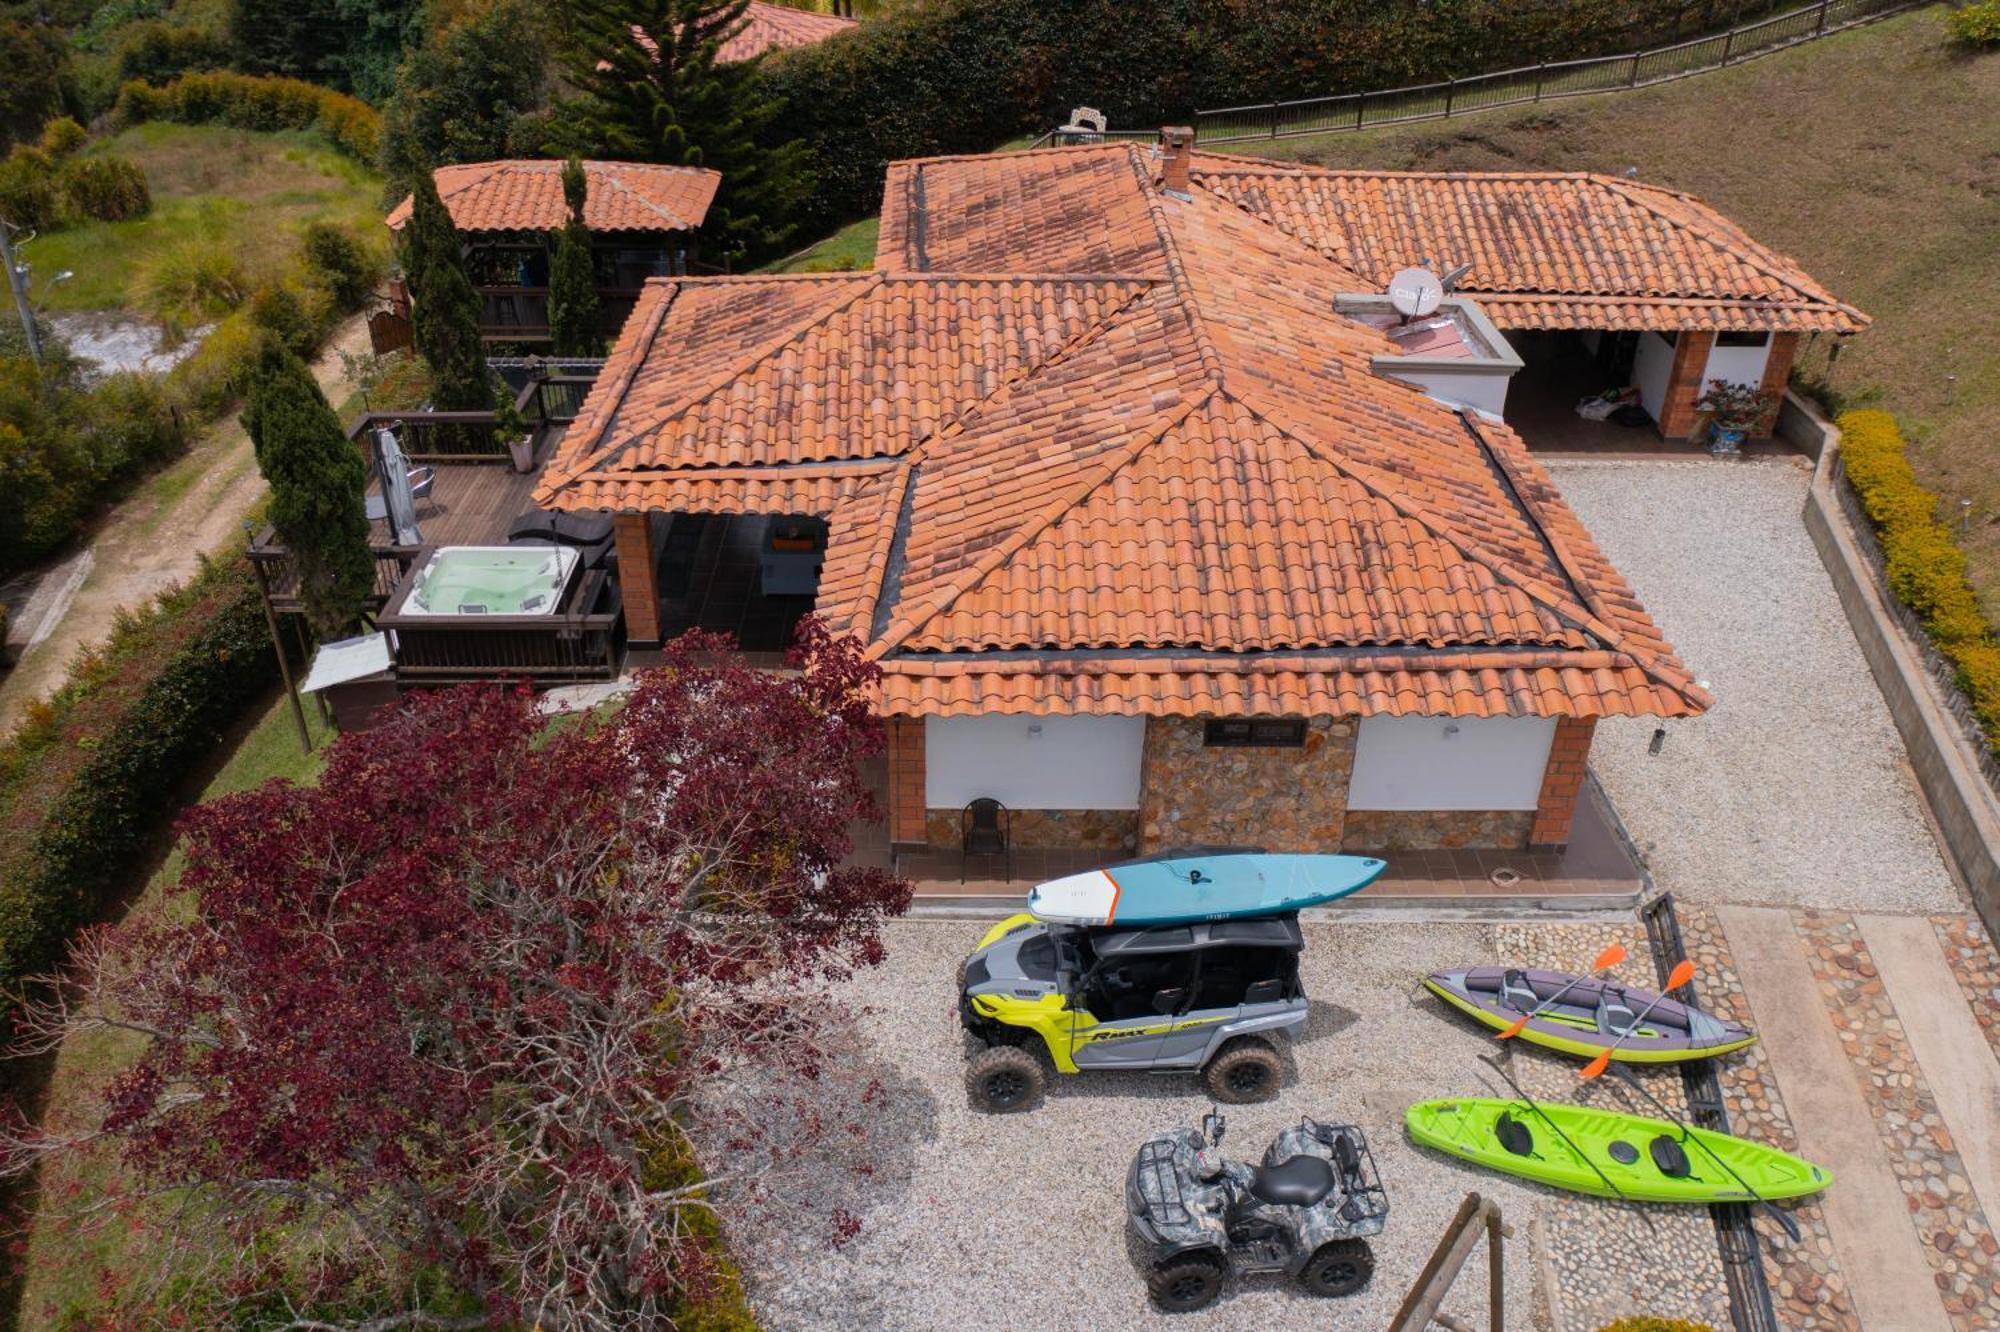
column 318, row 489
column 445, row 317
column 667, row 98
column 573, row 276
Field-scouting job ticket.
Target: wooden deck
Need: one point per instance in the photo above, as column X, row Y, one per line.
column 471, row 504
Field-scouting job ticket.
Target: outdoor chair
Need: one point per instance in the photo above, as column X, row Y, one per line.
column 984, row 828
column 422, row 479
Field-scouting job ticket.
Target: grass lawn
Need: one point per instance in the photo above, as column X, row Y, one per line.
column 65, row 1263
column 1872, row 156
column 852, row 247
column 245, row 192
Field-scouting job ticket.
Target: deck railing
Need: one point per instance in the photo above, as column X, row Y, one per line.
column 1547, row 81
column 583, row 640
column 521, row 314
column 547, row 399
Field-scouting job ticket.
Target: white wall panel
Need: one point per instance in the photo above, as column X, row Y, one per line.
column 1450, row 762
column 1033, row 762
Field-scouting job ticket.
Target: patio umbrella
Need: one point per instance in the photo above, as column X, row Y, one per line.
column 399, row 505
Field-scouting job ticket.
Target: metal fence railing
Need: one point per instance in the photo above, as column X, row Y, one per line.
column 1940, row 667
column 1548, row 81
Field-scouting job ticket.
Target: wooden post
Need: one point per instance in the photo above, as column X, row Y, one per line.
column 278, row 646
column 1541, row 72
column 1820, row 30
column 1420, row 1307
column 1360, row 101
column 1633, row 82
column 1450, row 88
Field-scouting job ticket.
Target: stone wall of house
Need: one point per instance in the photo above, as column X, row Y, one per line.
column 1114, row 830
column 1432, row 830
column 1282, row 798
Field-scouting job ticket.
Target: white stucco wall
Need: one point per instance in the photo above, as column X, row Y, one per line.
column 1738, row 365
column 1651, row 368
column 1033, row 762
column 1483, row 763
column 1484, row 391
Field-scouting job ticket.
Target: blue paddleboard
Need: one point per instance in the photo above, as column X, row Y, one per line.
column 1178, row 887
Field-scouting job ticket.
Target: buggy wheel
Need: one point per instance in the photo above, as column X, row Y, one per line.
column 963, row 962
column 1004, row 1080
column 1341, row 1267
column 1247, row 1070
column 1184, row 1284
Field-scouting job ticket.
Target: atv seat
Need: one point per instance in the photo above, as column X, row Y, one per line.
column 1298, row 1182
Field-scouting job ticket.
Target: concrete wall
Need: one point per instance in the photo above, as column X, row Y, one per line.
column 1947, row 769
column 1067, row 763
column 1449, row 763
column 1651, row 368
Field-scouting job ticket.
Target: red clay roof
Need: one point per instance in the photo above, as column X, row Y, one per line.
column 765, row 27
column 1176, row 491
column 526, row 195
column 1548, row 250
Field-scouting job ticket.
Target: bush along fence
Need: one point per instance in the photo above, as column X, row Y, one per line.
column 255, row 102
column 1922, row 573
column 1545, row 81
column 90, row 779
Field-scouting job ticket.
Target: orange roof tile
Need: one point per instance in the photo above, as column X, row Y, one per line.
column 1181, row 490
column 1548, row 250
column 527, row 196
column 765, row 27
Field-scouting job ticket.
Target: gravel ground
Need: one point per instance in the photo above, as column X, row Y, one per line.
column 1794, row 789
column 1017, row 1221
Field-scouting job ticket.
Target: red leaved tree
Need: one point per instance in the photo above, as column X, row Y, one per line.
column 461, row 1017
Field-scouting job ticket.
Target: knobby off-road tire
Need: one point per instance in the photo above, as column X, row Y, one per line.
column 1341, row 1267
column 1244, row 1071
column 1185, row 1284
column 1004, row 1080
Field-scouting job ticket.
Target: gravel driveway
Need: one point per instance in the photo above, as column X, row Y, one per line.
column 1017, row 1221
column 1794, row 789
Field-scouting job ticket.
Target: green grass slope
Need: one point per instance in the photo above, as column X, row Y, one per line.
column 1873, row 157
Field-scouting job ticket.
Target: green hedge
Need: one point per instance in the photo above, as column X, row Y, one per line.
column 1925, row 566
column 255, row 102
column 91, row 777
column 962, row 76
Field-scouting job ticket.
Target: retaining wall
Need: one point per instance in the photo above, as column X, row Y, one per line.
column 1947, row 770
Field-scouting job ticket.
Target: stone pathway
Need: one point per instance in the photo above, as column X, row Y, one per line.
column 1835, row 1125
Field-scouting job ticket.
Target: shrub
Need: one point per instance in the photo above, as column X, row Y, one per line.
column 135, row 423
column 61, row 137
column 193, row 281
column 218, row 372
column 88, row 781
column 254, row 102
column 338, row 263
column 1976, row 25
column 287, row 314
column 106, row 187
column 1925, row 567
column 158, row 51
column 28, row 193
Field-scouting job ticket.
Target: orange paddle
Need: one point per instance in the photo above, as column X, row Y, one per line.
column 1682, row 973
column 1606, row 960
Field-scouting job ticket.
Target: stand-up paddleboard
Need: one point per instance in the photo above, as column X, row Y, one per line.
column 1177, row 887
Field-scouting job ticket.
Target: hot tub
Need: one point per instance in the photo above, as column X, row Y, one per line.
column 492, row 580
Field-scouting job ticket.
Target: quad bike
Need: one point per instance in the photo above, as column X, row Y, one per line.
column 1211, row 998
column 1304, row 1212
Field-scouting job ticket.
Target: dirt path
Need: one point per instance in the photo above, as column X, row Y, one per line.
column 156, row 536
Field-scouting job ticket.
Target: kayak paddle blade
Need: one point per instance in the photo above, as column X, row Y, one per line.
column 1597, row 1065
column 1609, row 958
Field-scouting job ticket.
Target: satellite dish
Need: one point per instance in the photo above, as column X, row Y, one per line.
column 1415, row 292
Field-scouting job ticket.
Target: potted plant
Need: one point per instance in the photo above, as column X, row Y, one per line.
column 513, row 427
column 1733, row 411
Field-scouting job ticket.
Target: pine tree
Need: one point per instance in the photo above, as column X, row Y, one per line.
column 667, row 98
column 445, row 317
column 573, row 276
column 318, row 489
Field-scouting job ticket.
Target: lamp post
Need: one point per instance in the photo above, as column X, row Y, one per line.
column 17, row 280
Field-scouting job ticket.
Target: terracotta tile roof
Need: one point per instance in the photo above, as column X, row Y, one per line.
column 527, row 195
column 1548, row 250
column 765, row 27
column 1181, row 490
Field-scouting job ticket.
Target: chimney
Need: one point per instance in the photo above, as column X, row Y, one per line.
column 1176, row 146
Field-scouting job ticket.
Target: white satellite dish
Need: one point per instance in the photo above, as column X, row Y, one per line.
column 1415, row 292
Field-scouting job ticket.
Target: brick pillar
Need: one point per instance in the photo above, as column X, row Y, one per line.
column 1684, row 383
column 906, row 779
column 1562, row 781
column 1777, row 373
column 637, row 579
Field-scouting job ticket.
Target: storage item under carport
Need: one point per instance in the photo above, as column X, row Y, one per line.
column 356, row 680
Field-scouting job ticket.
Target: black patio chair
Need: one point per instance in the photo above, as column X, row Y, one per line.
column 985, row 828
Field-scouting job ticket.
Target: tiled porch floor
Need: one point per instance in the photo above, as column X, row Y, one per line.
column 1594, row 867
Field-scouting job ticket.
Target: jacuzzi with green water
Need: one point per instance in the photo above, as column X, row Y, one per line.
column 492, row 580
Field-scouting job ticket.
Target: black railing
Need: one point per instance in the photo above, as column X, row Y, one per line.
column 1547, row 81
column 521, row 314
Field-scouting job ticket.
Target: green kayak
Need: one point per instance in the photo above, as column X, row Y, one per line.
column 1649, row 1160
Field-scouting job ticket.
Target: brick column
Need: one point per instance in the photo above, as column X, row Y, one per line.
column 1562, row 780
column 1777, row 373
column 1684, row 383
column 906, row 779
column 637, row 579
